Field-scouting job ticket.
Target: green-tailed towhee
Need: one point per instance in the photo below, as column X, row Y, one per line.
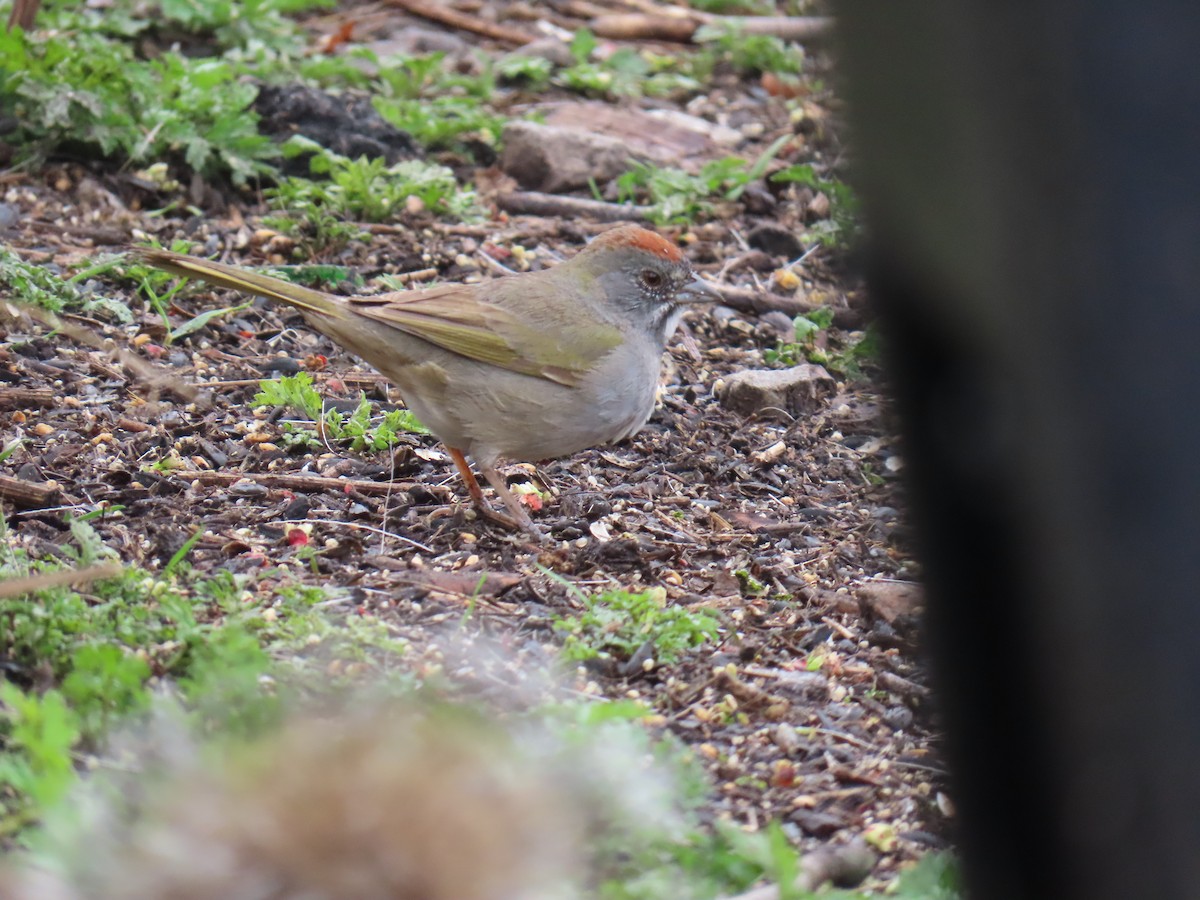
column 527, row 367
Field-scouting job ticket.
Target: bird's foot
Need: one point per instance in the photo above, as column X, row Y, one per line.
column 518, row 520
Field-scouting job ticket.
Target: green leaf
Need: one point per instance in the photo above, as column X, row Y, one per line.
column 936, row 876
column 583, row 43
column 197, row 322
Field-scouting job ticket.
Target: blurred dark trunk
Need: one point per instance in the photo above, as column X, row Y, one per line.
column 1029, row 171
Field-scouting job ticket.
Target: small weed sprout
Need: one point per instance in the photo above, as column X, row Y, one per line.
column 618, row 623
column 296, row 393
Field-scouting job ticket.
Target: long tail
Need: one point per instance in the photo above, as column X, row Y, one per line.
column 221, row 275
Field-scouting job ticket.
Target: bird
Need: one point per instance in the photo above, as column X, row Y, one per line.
column 527, row 367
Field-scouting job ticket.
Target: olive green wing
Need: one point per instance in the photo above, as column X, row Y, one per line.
column 456, row 320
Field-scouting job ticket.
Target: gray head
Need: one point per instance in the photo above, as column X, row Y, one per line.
column 647, row 276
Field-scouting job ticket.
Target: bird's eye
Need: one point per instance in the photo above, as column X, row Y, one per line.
column 652, row 279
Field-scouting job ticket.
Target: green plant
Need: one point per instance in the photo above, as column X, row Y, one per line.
column 841, row 227
column 314, row 227
column 354, row 69
column 160, row 289
column 75, row 664
column 35, row 760
column 296, row 392
column 293, row 392
column 104, row 681
column 441, row 122
column 364, row 189
column 624, row 73
column 678, row 197
column 618, row 623
column 846, row 361
column 411, row 77
column 439, row 107
column 88, row 89
column 83, row 81
column 750, row 53
column 849, row 361
column 36, row 285
column 533, row 71
column 725, row 859
column 244, row 23
column 324, row 277
column 807, row 328
column 936, row 876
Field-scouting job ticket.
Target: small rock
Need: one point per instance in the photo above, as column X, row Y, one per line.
column 798, row 390
column 779, row 322
column 30, row 472
column 889, row 600
column 665, row 137
column 8, row 216
column 776, row 240
column 248, row 489
column 899, row 717
column 718, row 134
column 552, row 159
column 548, row 48
column 786, row 738
column 786, row 280
column 722, row 315
column 758, row 200
column 817, row 824
column 281, row 365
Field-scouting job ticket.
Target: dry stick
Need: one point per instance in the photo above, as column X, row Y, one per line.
column 17, row 396
column 27, row 494
column 899, row 685
column 134, row 425
column 365, row 379
column 848, row 864
column 533, row 203
column 303, row 483
column 15, row 587
column 638, row 26
column 788, row 28
column 757, row 301
column 437, row 12
column 24, row 12
column 580, row 9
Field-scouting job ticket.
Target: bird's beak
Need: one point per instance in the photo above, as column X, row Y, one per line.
column 699, row 291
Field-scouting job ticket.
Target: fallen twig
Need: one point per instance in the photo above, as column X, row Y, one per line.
column 16, row 587
column 682, row 29
column 437, row 12
column 534, row 203
column 902, row 686
column 18, row 396
column 24, row 12
column 27, row 494
column 642, row 27
column 788, row 28
column 302, row 483
column 757, row 301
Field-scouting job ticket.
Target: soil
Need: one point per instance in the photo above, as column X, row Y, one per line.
column 810, row 709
